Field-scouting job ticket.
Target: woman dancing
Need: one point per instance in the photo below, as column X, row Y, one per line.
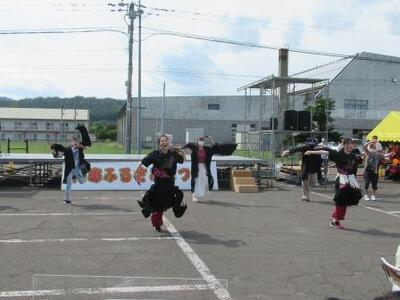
column 347, row 189
column 201, row 155
column 163, row 194
column 75, row 164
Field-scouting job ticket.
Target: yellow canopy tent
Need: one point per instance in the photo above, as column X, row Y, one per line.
column 388, row 130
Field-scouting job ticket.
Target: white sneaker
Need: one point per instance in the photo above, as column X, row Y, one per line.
column 373, row 198
column 194, row 199
column 366, row 198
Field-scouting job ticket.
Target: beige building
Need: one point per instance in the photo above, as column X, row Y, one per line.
column 40, row 124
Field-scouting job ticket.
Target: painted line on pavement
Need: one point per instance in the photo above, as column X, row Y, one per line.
column 220, row 291
column 121, row 239
column 107, row 290
column 72, row 214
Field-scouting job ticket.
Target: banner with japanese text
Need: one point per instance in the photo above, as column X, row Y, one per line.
column 117, row 175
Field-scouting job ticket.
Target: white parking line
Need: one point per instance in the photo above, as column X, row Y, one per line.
column 393, row 214
column 107, row 290
column 220, row 291
column 72, row 214
column 121, row 239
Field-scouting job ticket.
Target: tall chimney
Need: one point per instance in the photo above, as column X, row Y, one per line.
column 283, row 72
column 283, row 62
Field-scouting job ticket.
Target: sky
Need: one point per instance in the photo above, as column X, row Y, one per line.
column 95, row 63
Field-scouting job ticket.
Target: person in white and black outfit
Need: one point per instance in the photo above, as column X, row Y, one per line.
column 347, row 189
column 310, row 164
column 75, row 164
column 202, row 180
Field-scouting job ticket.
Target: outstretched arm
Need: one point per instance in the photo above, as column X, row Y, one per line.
column 178, row 154
column 294, row 150
column 316, row 152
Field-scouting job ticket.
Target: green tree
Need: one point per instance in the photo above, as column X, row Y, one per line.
column 322, row 119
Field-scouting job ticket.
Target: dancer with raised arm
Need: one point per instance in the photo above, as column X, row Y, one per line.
column 309, row 166
column 163, row 194
column 201, row 155
column 75, row 164
column 347, row 189
column 373, row 157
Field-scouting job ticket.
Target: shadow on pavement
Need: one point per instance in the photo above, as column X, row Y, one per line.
column 196, row 237
column 101, row 207
column 8, row 207
column 233, row 205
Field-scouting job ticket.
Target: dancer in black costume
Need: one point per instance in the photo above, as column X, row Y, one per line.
column 163, row 194
column 347, row 189
column 75, row 164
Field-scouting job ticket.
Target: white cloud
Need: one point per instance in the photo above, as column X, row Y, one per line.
column 95, row 63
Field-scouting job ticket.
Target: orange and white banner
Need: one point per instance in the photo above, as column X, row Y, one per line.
column 107, row 176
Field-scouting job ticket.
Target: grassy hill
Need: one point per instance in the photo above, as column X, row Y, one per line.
column 101, row 109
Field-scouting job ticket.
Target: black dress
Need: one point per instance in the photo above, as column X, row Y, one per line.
column 346, row 194
column 163, row 194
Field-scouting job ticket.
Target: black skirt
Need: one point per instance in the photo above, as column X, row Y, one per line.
column 162, row 196
column 347, row 195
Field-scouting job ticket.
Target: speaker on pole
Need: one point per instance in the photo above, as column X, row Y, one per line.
column 273, row 123
column 304, row 120
column 290, row 120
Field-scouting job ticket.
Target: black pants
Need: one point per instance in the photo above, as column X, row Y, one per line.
column 371, row 178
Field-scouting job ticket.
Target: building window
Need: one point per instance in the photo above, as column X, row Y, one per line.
column 213, row 106
column 64, row 126
column 252, row 127
column 33, row 125
column 233, row 130
column 34, row 138
column 49, row 126
column 355, row 108
column 3, row 136
column 17, row 125
column 0, row 125
column 47, row 137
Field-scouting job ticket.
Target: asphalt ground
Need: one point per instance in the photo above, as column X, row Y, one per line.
column 268, row 245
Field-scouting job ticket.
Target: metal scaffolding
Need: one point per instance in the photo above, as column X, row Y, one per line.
column 274, row 86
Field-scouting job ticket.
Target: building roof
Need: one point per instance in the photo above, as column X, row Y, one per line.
column 13, row 113
column 278, row 81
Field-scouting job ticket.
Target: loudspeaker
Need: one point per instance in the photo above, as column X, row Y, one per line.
column 290, row 119
column 273, row 122
column 304, row 120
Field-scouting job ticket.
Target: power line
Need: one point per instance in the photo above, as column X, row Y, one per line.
column 321, row 66
column 58, row 31
column 240, row 43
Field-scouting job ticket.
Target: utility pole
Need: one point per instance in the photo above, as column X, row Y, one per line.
column 75, row 117
column 162, row 130
column 139, row 95
column 62, row 124
column 131, row 15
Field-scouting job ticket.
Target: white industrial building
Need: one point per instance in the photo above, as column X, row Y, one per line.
column 40, row 124
column 364, row 88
